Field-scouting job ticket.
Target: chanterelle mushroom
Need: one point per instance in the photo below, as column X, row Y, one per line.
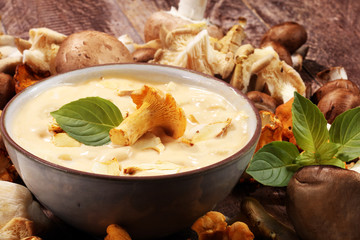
column 153, row 110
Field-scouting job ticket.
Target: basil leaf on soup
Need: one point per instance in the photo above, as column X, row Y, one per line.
column 345, row 130
column 274, row 164
column 89, row 120
column 309, row 124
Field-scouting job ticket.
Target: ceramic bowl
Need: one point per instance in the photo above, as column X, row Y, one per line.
column 149, row 206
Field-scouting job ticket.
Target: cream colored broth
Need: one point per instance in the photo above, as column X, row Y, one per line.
column 201, row 109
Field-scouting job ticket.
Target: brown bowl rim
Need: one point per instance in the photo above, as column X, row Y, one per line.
column 189, row 173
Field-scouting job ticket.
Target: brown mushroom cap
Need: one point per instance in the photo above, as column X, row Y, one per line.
column 338, row 101
column 289, row 34
column 170, row 22
column 284, row 54
column 143, row 54
column 157, row 19
column 332, row 85
column 262, row 101
column 323, row 203
column 7, row 89
column 89, row 48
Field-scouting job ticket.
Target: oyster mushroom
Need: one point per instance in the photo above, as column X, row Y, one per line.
column 153, row 110
column 323, row 203
column 272, row 75
column 40, row 51
column 190, row 48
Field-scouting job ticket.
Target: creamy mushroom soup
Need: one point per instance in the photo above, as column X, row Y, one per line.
column 215, row 129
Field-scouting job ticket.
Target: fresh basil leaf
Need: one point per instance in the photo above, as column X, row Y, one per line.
column 309, row 124
column 323, row 156
column 334, row 162
column 306, row 159
column 274, row 164
column 88, row 120
column 345, row 130
column 327, row 151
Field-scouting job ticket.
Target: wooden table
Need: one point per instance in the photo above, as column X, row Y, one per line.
column 333, row 29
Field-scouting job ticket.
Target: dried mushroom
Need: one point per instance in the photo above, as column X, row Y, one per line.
column 262, row 70
column 153, row 110
column 191, row 48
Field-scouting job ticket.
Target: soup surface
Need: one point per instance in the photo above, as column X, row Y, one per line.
column 215, row 130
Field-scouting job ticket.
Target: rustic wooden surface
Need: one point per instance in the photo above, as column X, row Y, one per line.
column 333, row 29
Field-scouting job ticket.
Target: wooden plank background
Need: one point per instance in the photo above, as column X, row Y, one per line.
column 333, row 29
column 333, row 26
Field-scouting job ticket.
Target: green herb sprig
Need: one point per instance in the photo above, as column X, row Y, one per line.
column 275, row 163
column 89, row 120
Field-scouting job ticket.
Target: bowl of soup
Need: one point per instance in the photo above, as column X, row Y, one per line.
column 156, row 186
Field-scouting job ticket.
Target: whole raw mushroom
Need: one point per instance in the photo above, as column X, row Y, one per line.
column 291, row 35
column 331, row 86
column 284, row 54
column 7, row 89
column 262, row 101
column 337, row 102
column 323, row 203
column 90, row 48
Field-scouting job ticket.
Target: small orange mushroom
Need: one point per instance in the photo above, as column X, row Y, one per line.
column 153, row 110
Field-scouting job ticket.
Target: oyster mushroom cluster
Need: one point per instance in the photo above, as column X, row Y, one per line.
column 187, row 40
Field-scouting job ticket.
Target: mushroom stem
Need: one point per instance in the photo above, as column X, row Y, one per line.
column 193, row 9
column 153, row 110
